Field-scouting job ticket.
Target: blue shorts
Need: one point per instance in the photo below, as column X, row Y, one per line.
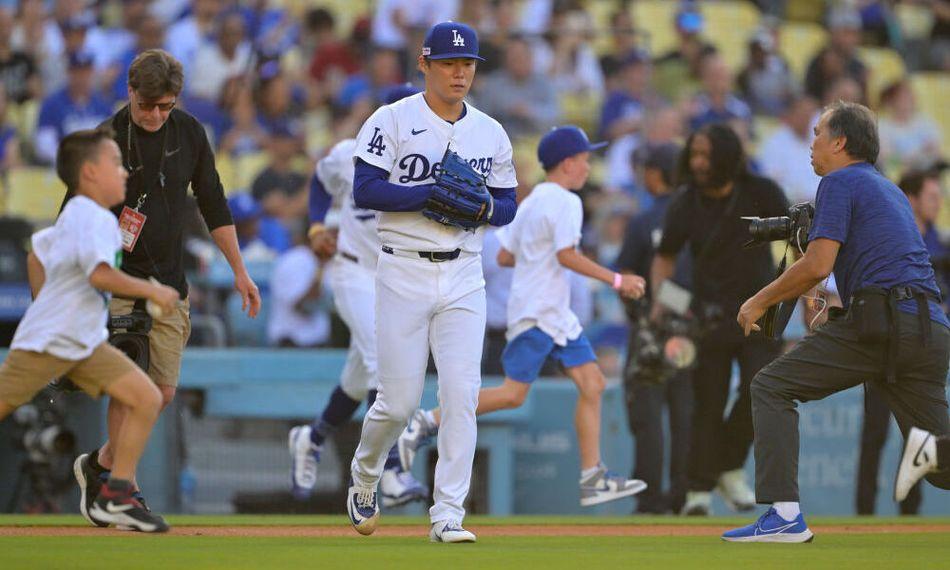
column 525, row 354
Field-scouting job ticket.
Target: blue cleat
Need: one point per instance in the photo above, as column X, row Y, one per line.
column 363, row 509
column 771, row 528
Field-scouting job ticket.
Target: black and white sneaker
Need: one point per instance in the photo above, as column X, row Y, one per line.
column 90, row 485
column 116, row 505
column 919, row 459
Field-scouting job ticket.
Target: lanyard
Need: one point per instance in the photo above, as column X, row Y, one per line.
column 138, row 155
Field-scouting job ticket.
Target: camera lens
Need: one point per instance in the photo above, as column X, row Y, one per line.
column 770, row 229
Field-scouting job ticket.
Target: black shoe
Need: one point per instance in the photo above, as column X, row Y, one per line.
column 90, row 485
column 119, row 507
column 138, row 496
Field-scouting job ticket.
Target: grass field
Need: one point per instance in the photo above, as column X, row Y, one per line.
column 577, row 543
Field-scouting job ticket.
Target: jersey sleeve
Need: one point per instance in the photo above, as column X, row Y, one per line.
column 376, row 141
column 42, row 242
column 335, row 170
column 502, row 173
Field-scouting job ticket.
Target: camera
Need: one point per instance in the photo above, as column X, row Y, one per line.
column 41, row 431
column 129, row 333
column 794, row 227
column 660, row 350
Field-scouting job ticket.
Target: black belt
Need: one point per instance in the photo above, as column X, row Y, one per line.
column 349, row 256
column 433, row 256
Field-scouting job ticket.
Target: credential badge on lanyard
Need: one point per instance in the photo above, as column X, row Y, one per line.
column 131, row 222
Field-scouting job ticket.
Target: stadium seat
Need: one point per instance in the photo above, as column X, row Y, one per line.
column 798, row 44
column 35, row 193
column 581, row 110
column 932, row 91
column 243, row 330
column 915, row 21
column 885, row 66
column 247, row 167
column 729, row 25
column 655, row 17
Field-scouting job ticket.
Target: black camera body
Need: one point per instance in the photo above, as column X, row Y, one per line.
column 41, row 431
column 660, row 350
column 794, row 227
column 129, row 333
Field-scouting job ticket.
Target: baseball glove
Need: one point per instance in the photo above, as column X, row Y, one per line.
column 460, row 196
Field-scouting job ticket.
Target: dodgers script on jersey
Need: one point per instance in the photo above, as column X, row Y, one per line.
column 357, row 226
column 407, row 139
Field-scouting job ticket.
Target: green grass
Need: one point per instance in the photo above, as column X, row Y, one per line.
column 474, row 520
column 853, row 550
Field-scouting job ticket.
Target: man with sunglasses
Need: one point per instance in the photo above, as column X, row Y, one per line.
column 165, row 150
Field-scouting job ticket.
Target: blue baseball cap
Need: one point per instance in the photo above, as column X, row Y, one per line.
column 564, row 142
column 398, row 93
column 451, row 39
column 690, row 21
column 80, row 59
column 244, row 208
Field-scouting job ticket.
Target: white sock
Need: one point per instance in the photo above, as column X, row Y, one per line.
column 787, row 510
column 585, row 473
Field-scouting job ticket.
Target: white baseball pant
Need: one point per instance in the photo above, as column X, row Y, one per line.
column 354, row 294
column 422, row 305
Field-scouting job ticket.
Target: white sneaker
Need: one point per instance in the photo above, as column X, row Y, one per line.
column 735, row 491
column 919, row 459
column 698, row 504
column 398, row 487
column 305, row 456
column 416, row 435
column 363, row 509
column 450, row 531
column 604, row 486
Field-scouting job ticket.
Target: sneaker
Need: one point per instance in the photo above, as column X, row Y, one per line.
column 304, row 457
column 735, row 492
column 604, row 486
column 771, row 528
column 120, row 508
column 398, row 487
column 698, row 504
column 417, row 435
column 138, row 496
column 919, row 459
column 450, row 532
column 363, row 509
column 89, row 487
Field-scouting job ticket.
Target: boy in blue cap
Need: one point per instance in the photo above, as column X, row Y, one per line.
column 541, row 244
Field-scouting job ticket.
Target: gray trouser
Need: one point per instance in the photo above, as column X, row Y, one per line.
column 832, row 360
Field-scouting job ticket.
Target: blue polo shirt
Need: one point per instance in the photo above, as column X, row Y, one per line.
column 881, row 246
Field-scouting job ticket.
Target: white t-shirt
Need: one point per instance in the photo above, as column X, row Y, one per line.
column 293, row 275
column 407, row 139
column 786, row 159
column 548, row 220
column 357, row 225
column 68, row 317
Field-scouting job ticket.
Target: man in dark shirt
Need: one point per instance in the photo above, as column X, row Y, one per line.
column 165, row 150
column 18, row 73
column 706, row 215
column 864, row 231
column 645, row 397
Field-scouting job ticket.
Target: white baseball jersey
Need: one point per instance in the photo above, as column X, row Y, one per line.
column 548, row 220
column 357, row 235
column 407, row 139
column 68, row 317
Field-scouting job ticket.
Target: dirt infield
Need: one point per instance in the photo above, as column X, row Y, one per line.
column 323, row 531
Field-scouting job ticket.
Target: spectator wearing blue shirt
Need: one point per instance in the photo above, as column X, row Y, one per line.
column 717, row 102
column 864, row 230
column 149, row 34
column 622, row 113
column 70, row 109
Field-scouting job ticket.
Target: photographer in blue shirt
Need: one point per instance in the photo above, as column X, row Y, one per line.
column 891, row 331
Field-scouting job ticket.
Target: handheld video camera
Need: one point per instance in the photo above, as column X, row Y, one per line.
column 129, row 333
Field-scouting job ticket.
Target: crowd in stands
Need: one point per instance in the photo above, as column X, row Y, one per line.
column 277, row 83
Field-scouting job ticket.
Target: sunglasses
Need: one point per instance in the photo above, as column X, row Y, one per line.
column 163, row 107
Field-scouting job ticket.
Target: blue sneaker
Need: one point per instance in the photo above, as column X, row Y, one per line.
column 771, row 528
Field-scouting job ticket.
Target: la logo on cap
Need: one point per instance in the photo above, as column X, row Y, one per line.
column 457, row 40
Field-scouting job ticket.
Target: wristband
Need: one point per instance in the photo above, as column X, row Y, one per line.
column 618, row 280
column 315, row 228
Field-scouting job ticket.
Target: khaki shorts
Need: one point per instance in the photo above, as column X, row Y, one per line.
column 167, row 340
column 24, row 373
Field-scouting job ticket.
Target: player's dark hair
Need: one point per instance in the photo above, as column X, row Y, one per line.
column 912, row 183
column 858, row 125
column 727, row 158
column 155, row 73
column 78, row 148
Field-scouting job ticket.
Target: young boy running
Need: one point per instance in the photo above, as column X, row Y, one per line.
column 541, row 244
column 72, row 271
